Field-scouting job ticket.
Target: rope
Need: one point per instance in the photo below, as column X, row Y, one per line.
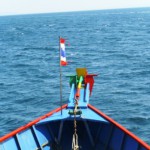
column 75, row 136
column 75, row 142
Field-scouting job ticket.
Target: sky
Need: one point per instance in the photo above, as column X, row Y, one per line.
column 13, row 7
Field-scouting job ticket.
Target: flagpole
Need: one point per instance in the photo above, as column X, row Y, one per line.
column 60, row 71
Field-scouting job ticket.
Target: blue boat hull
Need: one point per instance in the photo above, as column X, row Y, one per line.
column 54, row 131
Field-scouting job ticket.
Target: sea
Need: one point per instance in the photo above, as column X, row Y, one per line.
column 115, row 44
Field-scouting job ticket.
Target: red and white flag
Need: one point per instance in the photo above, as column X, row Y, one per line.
column 63, row 61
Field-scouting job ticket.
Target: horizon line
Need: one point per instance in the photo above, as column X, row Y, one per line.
column 38, row 13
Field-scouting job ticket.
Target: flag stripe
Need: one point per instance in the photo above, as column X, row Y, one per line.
column 63, row 53
column 62, row 40
column 63, row 58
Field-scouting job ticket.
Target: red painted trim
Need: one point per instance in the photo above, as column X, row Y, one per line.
column 5, row 137
column 119, row 126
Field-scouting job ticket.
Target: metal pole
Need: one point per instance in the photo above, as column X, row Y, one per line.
column 60, row 76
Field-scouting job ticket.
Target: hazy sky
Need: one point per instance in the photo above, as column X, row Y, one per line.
column 8, row 7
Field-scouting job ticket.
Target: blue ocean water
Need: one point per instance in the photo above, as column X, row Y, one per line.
column 115, row 44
